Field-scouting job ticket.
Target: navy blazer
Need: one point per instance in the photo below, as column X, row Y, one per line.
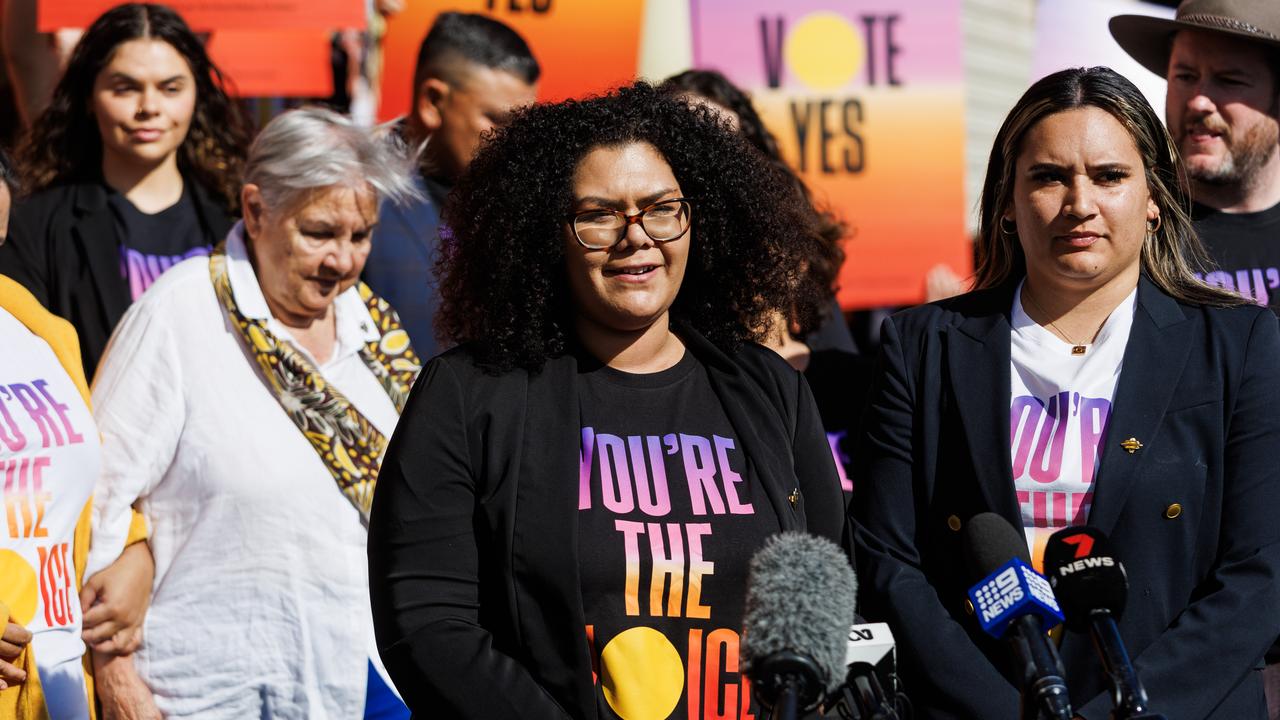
column 473, row 546
column 1199, row 388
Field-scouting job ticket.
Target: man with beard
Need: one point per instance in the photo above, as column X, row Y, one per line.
column 1221, row 59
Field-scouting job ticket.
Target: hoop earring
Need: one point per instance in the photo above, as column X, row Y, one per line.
column 1004, row 229
column 1156, row 229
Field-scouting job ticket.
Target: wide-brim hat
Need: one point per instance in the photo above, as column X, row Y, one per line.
column 1148, row 38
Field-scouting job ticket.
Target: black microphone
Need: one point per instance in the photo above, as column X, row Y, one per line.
column 863, row 697
column 1091, row 585
column 1014, row 601
column 800, row 599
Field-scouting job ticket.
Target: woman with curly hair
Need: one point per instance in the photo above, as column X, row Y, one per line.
column 133, row 167
column 567, row 509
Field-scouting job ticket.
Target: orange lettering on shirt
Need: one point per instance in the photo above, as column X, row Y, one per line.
column 693, row 684
column 666, row 564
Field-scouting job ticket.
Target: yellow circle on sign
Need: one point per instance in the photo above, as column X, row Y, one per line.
column 19, row 590
column 641, row 674
column 824, row 51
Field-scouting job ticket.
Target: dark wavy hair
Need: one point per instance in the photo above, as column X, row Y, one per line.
column 502, row 265
column 1170, row 255
column 824, row 264
column 64, row 144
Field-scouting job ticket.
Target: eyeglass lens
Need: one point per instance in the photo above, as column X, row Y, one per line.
column 602, row 229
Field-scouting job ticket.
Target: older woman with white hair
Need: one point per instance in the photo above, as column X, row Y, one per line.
column 244, row 403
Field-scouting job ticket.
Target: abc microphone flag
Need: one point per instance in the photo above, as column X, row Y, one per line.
column 1013, row 590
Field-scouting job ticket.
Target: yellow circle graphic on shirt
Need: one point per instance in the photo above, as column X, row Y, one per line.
column 19, row 590
column 641, row 674
column 824, row 51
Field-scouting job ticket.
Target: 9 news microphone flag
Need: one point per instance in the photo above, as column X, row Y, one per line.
column 1014, row 601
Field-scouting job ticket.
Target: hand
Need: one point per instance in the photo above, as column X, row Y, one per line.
column 941, row 283
column 390, row 7
column 123, row 694
column 115, row 601
column 12, row 642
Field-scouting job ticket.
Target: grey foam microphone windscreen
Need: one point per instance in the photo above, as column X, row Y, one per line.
column 800, row 597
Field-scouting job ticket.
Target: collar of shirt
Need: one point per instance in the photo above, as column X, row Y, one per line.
column 355, row 326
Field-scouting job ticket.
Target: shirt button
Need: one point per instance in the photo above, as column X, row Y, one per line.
column 954, row 523
column 1173, row 511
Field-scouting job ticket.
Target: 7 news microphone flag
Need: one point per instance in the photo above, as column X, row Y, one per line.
column 1090, row 582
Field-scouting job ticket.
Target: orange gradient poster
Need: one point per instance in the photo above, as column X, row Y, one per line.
column 583, row 46
column 205, row 15
column 866, row 99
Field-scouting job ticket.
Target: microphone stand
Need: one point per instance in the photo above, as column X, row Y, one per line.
column 1127, row 693
column 1045, row 698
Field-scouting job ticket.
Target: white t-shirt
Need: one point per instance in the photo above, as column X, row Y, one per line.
column 1058, row 413
column 49, row 458
column 260, row 606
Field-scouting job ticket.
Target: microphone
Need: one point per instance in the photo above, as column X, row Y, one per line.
column 1013, row 600
column 800, row 598
column 862, row 696
column 1091, row 585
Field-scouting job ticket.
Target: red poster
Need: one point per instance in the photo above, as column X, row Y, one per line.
column 206, row 15
column 274, row 64
column 583, row 46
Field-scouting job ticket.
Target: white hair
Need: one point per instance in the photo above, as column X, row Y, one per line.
column 311, row 148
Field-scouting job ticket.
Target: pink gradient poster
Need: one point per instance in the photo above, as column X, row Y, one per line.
column 866, row 99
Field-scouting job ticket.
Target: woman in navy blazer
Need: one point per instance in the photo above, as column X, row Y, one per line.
column 1083, row 203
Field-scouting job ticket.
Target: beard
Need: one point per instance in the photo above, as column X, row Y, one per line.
column 1245, row 157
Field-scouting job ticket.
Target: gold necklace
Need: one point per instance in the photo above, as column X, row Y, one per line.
column 1076, row 348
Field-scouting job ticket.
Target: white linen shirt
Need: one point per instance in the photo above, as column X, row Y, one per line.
column 260, row 606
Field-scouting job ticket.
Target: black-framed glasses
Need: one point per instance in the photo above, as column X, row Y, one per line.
column 662, row 221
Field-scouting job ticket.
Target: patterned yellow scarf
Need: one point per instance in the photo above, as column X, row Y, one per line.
column 350, row 446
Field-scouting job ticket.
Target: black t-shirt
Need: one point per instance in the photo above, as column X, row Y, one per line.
column 153, row 243
column 840, row 382
column 1246, row 249
column 664, row 482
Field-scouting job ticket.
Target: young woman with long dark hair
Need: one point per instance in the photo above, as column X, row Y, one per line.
column 133, row 166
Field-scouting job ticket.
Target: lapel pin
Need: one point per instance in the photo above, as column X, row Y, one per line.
column 1132, row 445
column 794, row 497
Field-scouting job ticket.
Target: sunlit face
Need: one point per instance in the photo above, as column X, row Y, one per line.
column 1080, row 201
column 1220, row 106
column 308, row 255
column 4, row 211
column 630, row 286
column 143, row 101
column 481, row 101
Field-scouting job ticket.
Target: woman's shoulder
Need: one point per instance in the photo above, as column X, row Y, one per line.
column 178, row 295
column 976, row 309
column 1236, row 318
column 464, row 365
column 56, row 202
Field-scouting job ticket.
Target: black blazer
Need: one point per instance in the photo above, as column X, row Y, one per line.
column 473, row 562
column 1200, row 388
column 63, row 247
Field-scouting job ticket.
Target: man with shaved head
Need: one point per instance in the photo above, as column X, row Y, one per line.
column 472, row 72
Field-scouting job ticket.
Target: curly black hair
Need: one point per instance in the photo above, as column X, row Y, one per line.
column 502, row 266
column 828, row 256
column 64, row 144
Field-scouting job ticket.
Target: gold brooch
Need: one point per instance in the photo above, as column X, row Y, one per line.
column 794, row 497
column 1132, row 445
